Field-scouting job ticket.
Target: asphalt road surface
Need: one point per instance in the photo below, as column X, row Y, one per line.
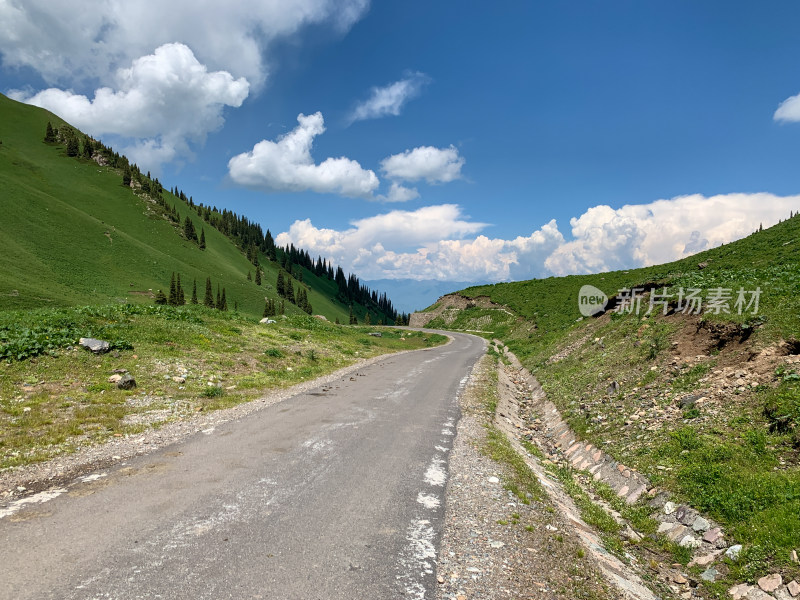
column 333, row 493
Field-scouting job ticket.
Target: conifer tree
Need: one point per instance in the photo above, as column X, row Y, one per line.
column 249, row 277
column 126, row 176
column 202, row 243
column 209, row 299
column 289, row 290
column 280, row 286
column 194, row 292
column 367, row 319
column 180, row 298
column 188, row 229
column 72, row 146
column 49, row 134
column 224, row 301
column 219, row 299
column 283, row 308
column 258, row 276
column 160, row 297
column 87, row 147
column 173, row 291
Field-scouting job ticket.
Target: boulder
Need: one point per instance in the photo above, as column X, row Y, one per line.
column 96, row 346
column 126, row 382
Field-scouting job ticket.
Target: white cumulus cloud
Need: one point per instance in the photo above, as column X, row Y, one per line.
column 163, row 101
column 399, row 193
column 432, row 242
column 638, row 235
column 74, row 40
column 389, row 100
column 439, row 242
column 286, row 165
column 434, row 165
column 788, row 110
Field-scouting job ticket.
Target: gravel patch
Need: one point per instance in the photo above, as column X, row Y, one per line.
column 494, row 546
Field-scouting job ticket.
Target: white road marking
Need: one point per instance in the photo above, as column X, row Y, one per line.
column 417, row 558
column 428, row 500
column 435, row 474
column 39, row 498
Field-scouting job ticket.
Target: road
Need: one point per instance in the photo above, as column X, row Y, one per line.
column 334, row 493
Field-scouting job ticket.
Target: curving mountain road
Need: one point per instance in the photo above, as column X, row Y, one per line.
column 333, row 493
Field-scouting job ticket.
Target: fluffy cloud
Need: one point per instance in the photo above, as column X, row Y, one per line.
column 426, row 243
column 399, row 193
column 438, row 242
column 435, row 165
column 163, row 100
column 286, row 165
column 665, row 230
column 789, row 110
column 73, row 40
column 389, row 100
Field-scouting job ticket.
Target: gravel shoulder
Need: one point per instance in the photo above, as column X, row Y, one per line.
column 493, row 545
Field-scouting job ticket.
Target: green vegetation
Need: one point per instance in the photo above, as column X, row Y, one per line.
column 707, row 406
column 56, row 396
column 519, row 479
column 87, row 227
column 769, row 260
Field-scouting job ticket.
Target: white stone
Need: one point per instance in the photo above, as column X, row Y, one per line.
column 664, row 527
column 689, row 541
column 669, row 508
column 739, row 591
column 733, row 552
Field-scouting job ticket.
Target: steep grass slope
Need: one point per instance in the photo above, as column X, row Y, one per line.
column 769, row 260
column 706, row 405
column 72, row 234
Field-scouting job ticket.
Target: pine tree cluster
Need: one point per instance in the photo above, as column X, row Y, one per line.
column 177, row 296
column 247, row 235
column 272, row 308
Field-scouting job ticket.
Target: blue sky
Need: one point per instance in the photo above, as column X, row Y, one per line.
column 526, row 138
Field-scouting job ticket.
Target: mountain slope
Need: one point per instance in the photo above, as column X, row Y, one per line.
column 705, row 405
column 71, row 233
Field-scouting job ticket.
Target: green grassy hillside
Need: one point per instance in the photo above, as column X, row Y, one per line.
column 706, row 405
column 72, row 234
column 769, row 260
